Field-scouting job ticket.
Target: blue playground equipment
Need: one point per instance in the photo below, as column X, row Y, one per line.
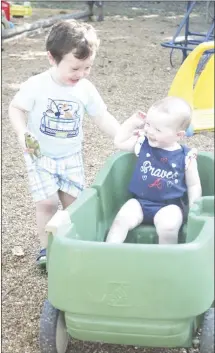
column 187, row 42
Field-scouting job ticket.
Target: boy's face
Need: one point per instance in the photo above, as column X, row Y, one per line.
column 71, row 70
column 160, row 131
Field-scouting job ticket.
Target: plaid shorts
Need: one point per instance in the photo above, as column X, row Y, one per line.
column 48, row 175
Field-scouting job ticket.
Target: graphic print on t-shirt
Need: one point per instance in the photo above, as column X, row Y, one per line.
column 159, row 176
column 61, row 119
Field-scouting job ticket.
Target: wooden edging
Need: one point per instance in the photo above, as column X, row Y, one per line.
column 12, row 32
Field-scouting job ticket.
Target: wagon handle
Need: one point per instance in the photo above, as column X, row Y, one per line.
column 59, row 221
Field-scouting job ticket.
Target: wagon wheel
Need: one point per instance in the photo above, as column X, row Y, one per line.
column 54, row 337
column 207, row 334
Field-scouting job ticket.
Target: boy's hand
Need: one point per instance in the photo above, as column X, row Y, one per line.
column 137, row 123
column 138, row 120
column 129, row 131
column 22, row 142
column 32, row 144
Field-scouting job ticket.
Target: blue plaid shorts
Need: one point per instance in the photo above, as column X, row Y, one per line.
column 48, row 175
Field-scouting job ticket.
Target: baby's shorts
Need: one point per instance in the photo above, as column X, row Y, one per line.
column 48, row 175
column 150, row 208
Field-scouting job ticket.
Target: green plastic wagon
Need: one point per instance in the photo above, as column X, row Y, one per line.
column 137, row 293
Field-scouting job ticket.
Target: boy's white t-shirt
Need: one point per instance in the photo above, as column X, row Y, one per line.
column 55, row 112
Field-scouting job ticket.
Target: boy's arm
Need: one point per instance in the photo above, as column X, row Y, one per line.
column 124, row 134
column 17, row 117
column 194, row 189
column 97, row 110
column 128, row 134
column 22, row 103
column 107, row 124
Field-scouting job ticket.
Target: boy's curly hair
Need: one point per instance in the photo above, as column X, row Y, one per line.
column 78, row 38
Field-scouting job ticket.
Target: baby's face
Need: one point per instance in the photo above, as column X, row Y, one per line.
column 159, row 130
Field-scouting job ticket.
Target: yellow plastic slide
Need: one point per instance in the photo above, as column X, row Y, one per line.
column 199, row 95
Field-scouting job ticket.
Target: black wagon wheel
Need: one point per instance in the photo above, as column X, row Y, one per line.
column 207, row 333
column 54, row 337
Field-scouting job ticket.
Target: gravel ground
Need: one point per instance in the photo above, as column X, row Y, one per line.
column 131, row 71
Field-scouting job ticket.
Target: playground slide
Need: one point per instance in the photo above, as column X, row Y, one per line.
column 200, row 95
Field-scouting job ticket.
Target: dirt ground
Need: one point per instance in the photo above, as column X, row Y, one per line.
column 132, row 70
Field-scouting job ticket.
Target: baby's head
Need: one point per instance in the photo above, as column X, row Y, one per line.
column 71, row 48
column 167, row 121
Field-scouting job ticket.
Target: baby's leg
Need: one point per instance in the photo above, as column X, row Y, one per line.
column 129, row 216
column 45, row 210
column 168, row 221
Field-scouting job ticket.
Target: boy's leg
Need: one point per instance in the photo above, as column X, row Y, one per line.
column 168, row 221
column 129, row 216
column 44, row 185
column 65, row 199
column 71, row 179
column 45, row 210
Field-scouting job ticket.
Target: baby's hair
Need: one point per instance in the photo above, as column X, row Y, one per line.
column 66, row 37
column 177, row 108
